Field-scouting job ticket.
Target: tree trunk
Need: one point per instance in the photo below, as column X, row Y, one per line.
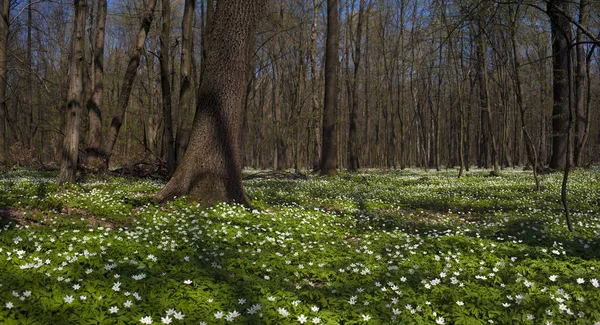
column 561, row 38
column 329, row 150
column 165, row 83
column 211, row 169
column 353, row 163
column 316, row 116
column 489, row 149
column 580, row 76
column 186, row 90
column 95, row 154
column 128, row 79
column 4, row 29
column 70, row 150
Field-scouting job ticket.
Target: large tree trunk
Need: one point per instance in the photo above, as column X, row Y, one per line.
column 561, row 38
column 165, row 83
column 4, row 28
column 329, row 149
column 95, row 154
column 70, row 150
column 186, row 92
column 128, row 79
column 211, row 169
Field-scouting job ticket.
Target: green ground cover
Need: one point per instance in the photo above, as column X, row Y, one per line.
column 405, row 247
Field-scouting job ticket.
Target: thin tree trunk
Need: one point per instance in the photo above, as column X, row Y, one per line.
column 316, row 116
column 580, row 77
column 165, row 74
column 353, row 162
column 128, row 79
column 94, row 150
column 186, row 91
column 4, row 29
column 70, row 150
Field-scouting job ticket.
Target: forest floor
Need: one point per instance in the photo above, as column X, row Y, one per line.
column 402, row 247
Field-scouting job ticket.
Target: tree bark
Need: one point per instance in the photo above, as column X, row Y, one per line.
column 561, row 38
column 316, row 116
column 95, row 154
column 4, row 29
column 329, row 149
column 186, row 90
column 580, row 77
column 70, row 150
column 128, row 79
column 353, row 162
column 165, row 83
column 211, row 168
column 489, row 148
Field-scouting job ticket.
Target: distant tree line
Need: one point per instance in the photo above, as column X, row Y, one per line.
column 309, row 85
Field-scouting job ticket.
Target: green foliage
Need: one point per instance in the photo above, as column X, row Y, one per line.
column 405, row 247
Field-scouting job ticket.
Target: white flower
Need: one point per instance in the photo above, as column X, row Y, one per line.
column 302, row 319
column 113, row 309
column 553, row 277
column 166, row 320
column 128, row 303
column 283, row 312
column 366, row 317
column 187, row 281
column 69, row 299
column 232, row 315
column 316, row 320
column 580, row 280
column 178, row 315
column 146, row 320
column 82, row 297
column 9, row 305
column 460, row 303
column 116, row 286
column 530, row 317
column 241, row 301
column 76, row 287
column 506, row 304
column 440, row 320
column 314, row 309
column 219, row 315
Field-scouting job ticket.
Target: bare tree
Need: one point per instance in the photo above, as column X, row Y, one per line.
column 70, row 150
column 329, row 149
column 4, row 29
column 353, row 162
column 128, row 79
column 165, row 82
column 561, row 38
column 95, row 154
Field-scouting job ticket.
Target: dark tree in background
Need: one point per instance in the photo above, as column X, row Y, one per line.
column 211, row 170
column 70, row 150
column 561, row 38
column 4, row 29
column 330, row 86
column 94, row 151
column 329, row 148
